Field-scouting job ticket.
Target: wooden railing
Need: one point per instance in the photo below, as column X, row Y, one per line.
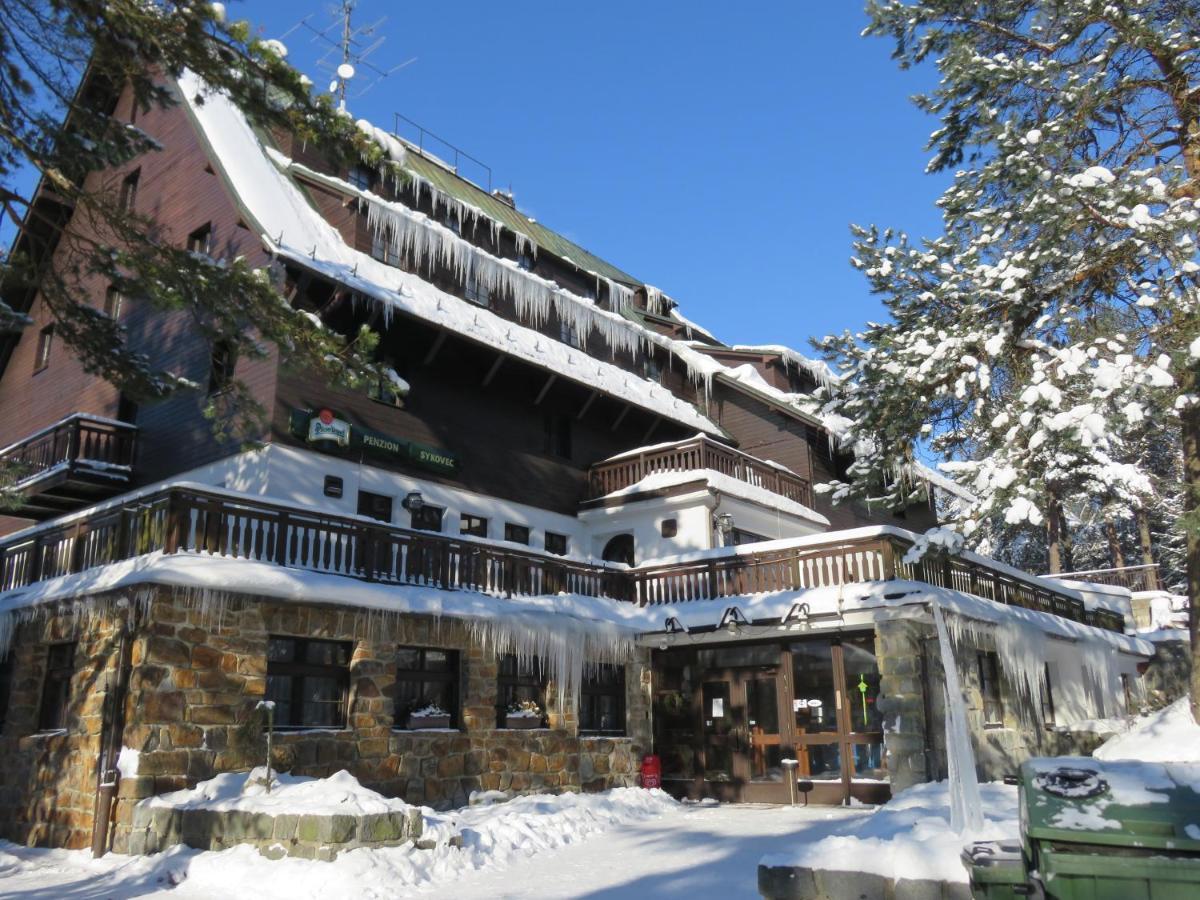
column 1135, row 578
column 697, row 453
column 193, row 520
column 78, row 441
column 849, row 561
column 178, row 520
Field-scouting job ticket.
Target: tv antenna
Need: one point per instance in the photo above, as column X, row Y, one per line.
column 347, row 52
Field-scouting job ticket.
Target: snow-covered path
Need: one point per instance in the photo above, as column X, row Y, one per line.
column 696, row 852
column 693, row 851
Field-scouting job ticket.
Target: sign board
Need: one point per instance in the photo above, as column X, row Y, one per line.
column 324, row 430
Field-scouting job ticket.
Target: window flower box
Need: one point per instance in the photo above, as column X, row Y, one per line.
column 428, row 717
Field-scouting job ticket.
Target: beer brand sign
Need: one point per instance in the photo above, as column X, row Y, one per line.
column 326, row 431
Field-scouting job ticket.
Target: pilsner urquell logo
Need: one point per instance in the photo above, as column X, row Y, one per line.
column 325, row 427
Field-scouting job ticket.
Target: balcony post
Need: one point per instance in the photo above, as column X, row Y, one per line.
column 887, row 553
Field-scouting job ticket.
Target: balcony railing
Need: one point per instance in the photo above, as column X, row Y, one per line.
column 78, row 443
column 693, row 454
column 176, row 520
column 1135, row 578
column 195, row 520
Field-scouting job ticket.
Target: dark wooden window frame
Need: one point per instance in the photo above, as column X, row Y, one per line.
column 556, row 543
column 469, row 523
column 593, row 687
column 367, row 499
column 41, row 359
column 992, row 697
column 56, row 686
column 452, row 675
column 129, row 190
column 536, row 678
column 200, row 240
column 423, row 519
column 222, row 365
column 516, row 534
column 300, row 671
column 114, row 300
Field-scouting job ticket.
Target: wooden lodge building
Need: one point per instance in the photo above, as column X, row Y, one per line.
column 574, row 529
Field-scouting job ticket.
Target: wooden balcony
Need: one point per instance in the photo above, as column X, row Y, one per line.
column 1135, row 578
column 71, row 464
column 693, row 454
column 195, row 520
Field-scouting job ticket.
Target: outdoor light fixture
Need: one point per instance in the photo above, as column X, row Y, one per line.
column 413, row 501
column 724, row 523
column 674, row 626
column 798, row 613
column 733, row 619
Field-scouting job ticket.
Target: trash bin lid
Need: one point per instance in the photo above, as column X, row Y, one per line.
column 989, row 854
column 1123, row 803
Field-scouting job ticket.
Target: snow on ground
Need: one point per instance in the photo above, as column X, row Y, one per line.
column 1169, row 735
column 339, row 794
column 910, row 837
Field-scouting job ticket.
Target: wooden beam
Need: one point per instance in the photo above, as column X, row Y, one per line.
column 491, row 373
column 586, row 406
column 545, row 388
column 653, row 428
column 620, row 418
column 433, row 350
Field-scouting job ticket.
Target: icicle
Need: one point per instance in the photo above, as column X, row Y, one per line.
column 966, row 806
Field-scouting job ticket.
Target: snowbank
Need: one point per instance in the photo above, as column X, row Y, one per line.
column 1169, row 735
column 910, row 837
column 339, row 794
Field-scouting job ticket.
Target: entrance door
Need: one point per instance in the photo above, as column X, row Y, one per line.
column 742, row 744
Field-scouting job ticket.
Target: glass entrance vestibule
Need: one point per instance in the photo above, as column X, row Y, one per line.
column 727, row 717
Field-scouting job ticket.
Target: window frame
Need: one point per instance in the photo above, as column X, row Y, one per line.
column 199, row 240
column 476, row 292
column 299, row 672
column 56, row 687
column 222, row 365
column 591, row 687
column 45, row 343
column 452, row 675
column 516, row 680
column 990, row 692
column 114, row 302
column 478, row 526
column 555, row 536
column 427, row 509
column 511, row 528
column 127, row 199
column 368, row 497
column 361, row 177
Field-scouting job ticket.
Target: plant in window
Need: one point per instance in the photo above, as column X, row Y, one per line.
column 429, row 715
column 523, row 714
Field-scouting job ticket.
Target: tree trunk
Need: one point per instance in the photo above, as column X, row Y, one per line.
column 1147, row 548
column 1066, row 545
column 1054, row 535
column 1190, row 430
column 1116, row 558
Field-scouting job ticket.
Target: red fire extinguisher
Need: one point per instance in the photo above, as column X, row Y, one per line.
column 651, row 771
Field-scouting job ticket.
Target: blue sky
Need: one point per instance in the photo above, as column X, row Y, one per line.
column 717, row 151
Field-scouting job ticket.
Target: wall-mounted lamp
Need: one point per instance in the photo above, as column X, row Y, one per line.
column 413, row 501
column 733, row 620
column 798, row 613
column 674, row 626
column 724, row 523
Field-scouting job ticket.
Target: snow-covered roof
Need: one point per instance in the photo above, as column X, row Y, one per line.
column 725, row 484
column 294, row 230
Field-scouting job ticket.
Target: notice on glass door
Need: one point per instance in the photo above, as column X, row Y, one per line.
column 718, row 707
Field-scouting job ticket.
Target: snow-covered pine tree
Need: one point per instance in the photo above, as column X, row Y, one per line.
column 1060, row 304
column 59, row 131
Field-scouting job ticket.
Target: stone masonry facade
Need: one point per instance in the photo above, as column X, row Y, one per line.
column 198, row 671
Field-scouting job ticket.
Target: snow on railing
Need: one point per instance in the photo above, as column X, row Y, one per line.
column 1136, row 578
column 80, row 440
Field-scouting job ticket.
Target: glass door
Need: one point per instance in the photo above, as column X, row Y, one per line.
column 721, row 725
column 763, row 755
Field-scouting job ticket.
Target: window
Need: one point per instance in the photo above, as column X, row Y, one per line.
column 200, row 240
column 426, row 682
column 129, row 187
column 222, row 363
column 385, row 392
column 670, row 528
column 557, row 436
column 333, row 486
column 383, row 250
column 361, row 177
column 113, row 301
column 519, row 681
column 477, row 292
column 525, row 261
column 602, row 701
column 6, row 677
column 742, row 536
column 308, row 679
column 652, row 369
column 619, row 549
column 428, row 518
column 1048, row 697
column 56, row 687
column 41, row 358
column 989, row 688
column 569, row 334
column 556, row 543
column 375, row 506
column 518, row 534
column 454, row 223
column 473, row 525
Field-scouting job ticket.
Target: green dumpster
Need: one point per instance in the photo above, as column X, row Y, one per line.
column 997, row 870
column 1111, row 829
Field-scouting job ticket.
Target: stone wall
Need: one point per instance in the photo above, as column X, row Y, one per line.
column 1169, row 673
column 198, row 673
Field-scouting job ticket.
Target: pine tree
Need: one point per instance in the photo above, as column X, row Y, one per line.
column 1058, row 310
column 48, row 48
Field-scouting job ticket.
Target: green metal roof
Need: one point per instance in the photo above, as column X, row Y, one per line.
column 552, row 242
